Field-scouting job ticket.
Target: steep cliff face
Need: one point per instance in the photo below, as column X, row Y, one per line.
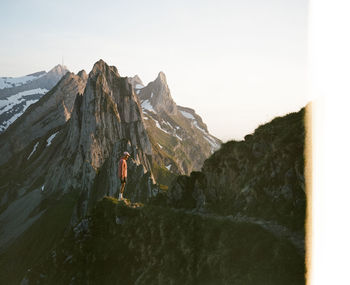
column 106, row 121
column 180, row 140
column 135, row 244
column 45, row 116
column 76, row 163
column 158, row 95
column 17, row 94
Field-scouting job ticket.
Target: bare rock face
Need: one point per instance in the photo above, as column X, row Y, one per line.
column 48, row 114
column 106, row 121
column 136, row 82
column 80, row 158
column 158, row 94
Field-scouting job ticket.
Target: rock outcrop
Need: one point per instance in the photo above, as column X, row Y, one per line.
column 260, row 177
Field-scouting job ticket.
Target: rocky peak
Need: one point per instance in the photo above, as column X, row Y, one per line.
column 106, row 120
column 158, row 94
column 58, row 70
column 161, row 78
column 102, row 67
column 82, row 74
column 136, row 82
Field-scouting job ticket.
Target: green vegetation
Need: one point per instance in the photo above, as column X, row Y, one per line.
column 162, row 175
column 132, row 243
column 126, row 243
column 35, row 244
column 261, row 176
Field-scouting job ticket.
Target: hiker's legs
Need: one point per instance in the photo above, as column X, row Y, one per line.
column 122, row 187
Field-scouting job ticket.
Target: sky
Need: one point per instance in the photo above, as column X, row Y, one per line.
column 238, row 63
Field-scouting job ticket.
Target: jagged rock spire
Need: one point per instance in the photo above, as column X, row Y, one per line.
column 106, row 121
column 158, row 94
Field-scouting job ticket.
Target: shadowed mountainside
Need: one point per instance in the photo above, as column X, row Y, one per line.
column 123, row 243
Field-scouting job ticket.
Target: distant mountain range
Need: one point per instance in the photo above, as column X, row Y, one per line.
column 67, row 145
column 180, row 140
column 18, row 93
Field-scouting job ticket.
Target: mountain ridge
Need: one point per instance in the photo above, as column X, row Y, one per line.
column 237, row 220
column 16, row 97
column 179, row 137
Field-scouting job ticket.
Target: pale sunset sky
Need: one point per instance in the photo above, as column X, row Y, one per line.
column 237, row 63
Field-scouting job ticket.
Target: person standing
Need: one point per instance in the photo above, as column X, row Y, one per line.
column 123, row 173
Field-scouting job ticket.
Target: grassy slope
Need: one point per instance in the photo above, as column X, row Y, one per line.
column 156, row 245
column 35, row 244
column 261, row 176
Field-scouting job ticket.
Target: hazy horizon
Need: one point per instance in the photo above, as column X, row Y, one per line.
column 238, row 64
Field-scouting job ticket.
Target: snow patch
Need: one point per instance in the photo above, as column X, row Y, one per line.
column 34, row 149
column 170, row 126
column 159, row 127
column 146, row 105
column 214, row 145
column 198, row 127
column 139, row 86
column 178, row 137
column 166, row 131
column 9, row 82
column 194, row 121
column 7, row 123
column 187, row 115
column 49, row 140
column 9, row 102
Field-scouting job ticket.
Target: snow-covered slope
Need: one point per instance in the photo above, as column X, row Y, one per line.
column 45, row 116
column 14, row 106
column 9, row 82
column 18, row 93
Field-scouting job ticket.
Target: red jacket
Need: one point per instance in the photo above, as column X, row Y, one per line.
column 122, row 168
